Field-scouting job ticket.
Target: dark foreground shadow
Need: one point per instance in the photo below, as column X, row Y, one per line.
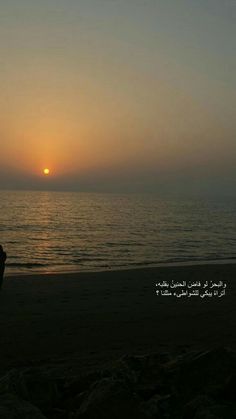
column 161, row 385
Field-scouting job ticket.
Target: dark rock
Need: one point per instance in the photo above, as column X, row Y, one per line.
column 32, row 384
column 56, row 413
column 154, row 377
column 229, row 389
column 158, row 407
column 146, row 374
column 127, row 368
column 198, row 404
column 75, row 385
column 203, row 407
column 196, row 372
column 13, row 382
column 110, row 399
column 216, row 412
column 189, row 385
column 11, row 407
column 72, row 403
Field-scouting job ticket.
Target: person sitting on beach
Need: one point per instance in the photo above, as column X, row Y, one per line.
column 3, row 257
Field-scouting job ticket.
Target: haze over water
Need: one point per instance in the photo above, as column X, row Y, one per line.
column 56, row 231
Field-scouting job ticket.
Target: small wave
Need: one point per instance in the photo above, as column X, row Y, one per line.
column 133, row 244
column 87, row 259
column 26, row 265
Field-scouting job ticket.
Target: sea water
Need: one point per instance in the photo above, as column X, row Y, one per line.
column 64, row 231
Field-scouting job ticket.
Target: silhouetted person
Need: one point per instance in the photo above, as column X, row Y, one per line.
column 3, row 257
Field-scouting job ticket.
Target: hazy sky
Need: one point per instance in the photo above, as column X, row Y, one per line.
column 118, row 94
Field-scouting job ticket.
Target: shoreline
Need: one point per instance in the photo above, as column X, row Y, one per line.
column 213, row 262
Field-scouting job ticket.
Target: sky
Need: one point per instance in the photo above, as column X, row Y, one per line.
column 118, row 95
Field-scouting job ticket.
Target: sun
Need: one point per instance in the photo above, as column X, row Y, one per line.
column 46, row 171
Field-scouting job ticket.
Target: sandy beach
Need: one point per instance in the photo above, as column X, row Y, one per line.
column 100, row 316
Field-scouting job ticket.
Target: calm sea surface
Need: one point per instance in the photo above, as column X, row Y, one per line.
column 54, row 231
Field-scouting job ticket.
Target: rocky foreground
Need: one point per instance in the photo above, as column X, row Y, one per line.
column 188, row 386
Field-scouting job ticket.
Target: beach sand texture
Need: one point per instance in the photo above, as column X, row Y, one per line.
column 100, row 316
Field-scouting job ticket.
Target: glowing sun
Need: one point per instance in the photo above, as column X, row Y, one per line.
column 46, row 171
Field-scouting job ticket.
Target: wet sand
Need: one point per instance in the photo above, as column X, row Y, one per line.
column 100, row 316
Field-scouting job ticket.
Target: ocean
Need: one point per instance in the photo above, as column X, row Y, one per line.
column 72, row 231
